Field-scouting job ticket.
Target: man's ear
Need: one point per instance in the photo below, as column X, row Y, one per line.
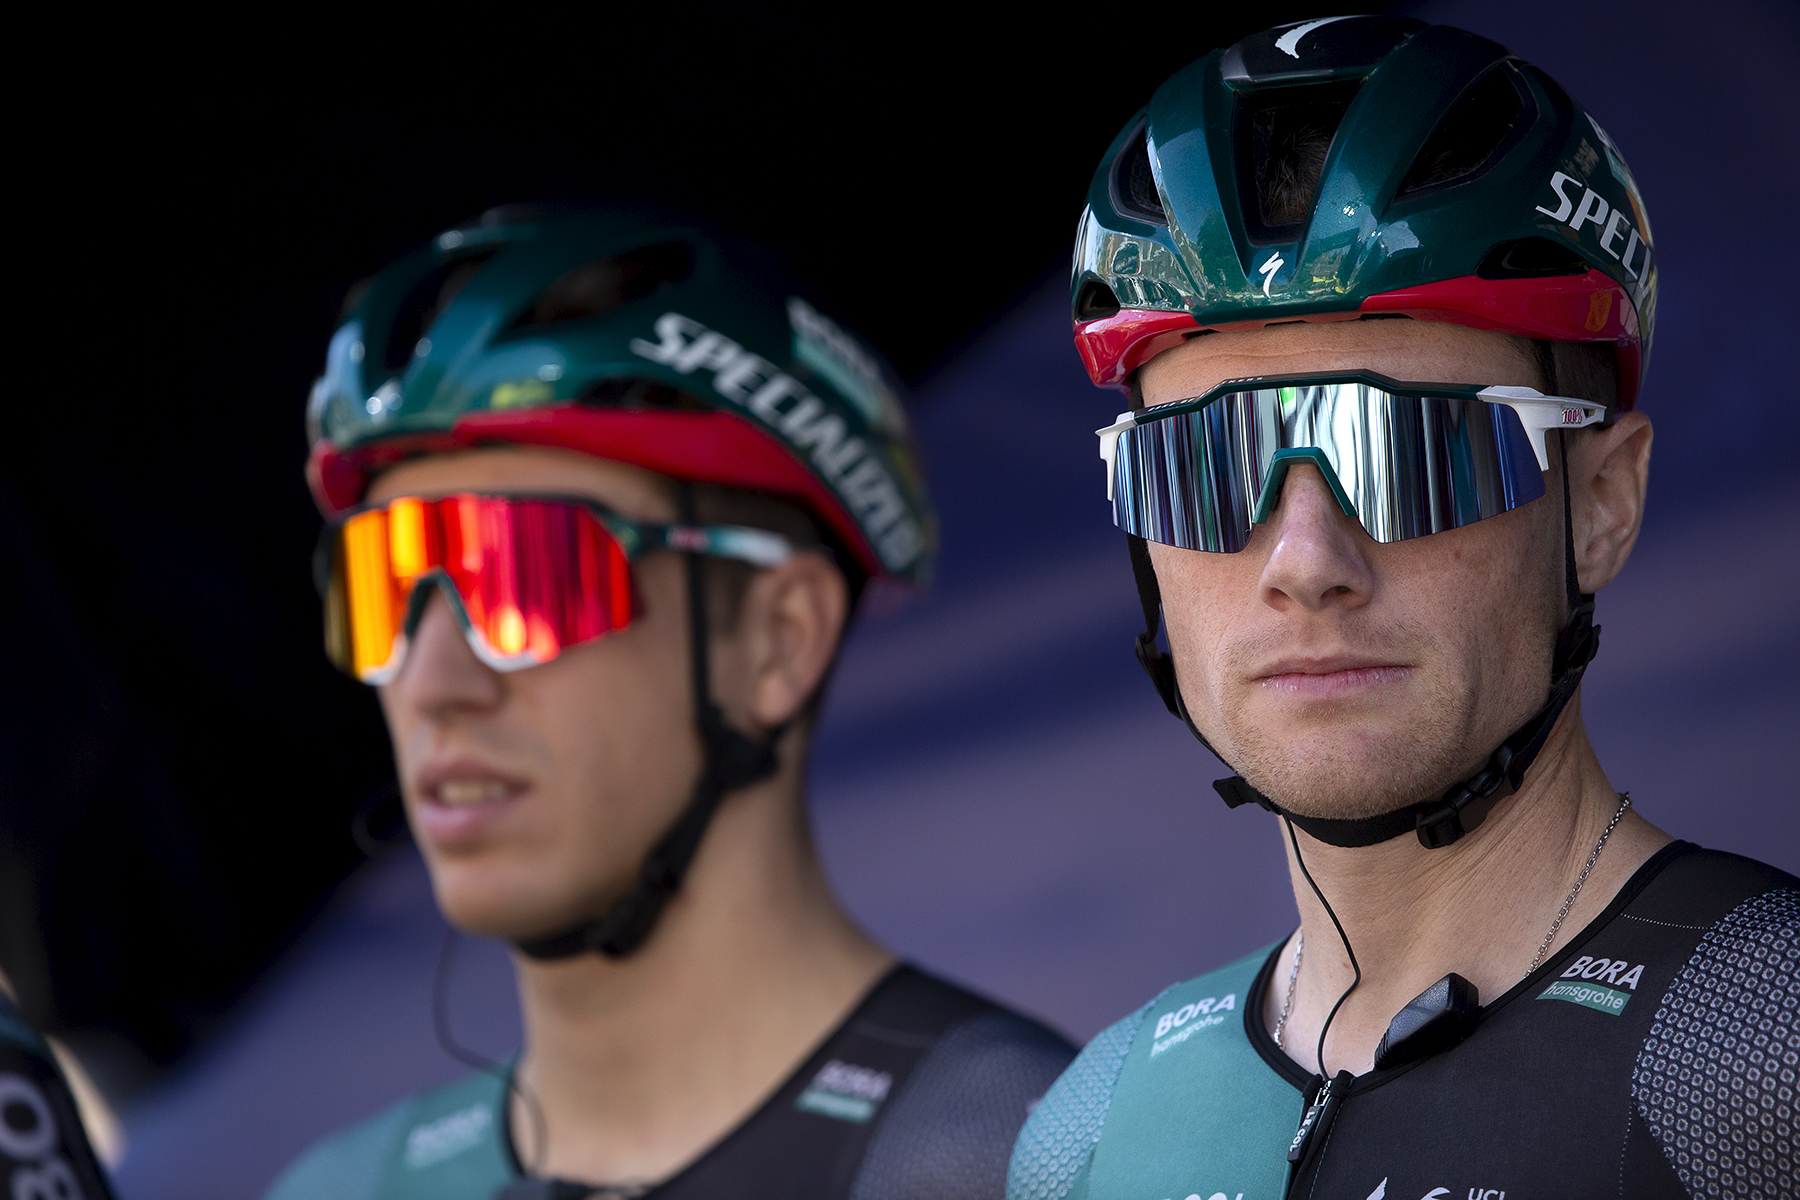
column 1609, row 476
column 792, row 618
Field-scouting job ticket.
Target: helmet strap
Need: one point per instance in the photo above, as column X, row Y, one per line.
column 730, row 760
column 1463, row 806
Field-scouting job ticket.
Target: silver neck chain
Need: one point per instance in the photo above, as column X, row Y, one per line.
column 1624, row 803
column 1287, row 1003
column 1293, row 975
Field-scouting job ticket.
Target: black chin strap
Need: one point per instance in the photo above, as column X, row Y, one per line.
column 731, row 761
column 1463, row 806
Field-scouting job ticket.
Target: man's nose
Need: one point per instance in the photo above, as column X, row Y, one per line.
column 441, row 675
column 1318, row 554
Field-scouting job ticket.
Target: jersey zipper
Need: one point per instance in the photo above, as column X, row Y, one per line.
column 1309, row 1139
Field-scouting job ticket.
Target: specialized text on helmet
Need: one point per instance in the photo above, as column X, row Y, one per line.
column 802, row 421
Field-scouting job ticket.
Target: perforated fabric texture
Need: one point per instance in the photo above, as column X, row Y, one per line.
column 1064, row 1128
column 949, row 1133
column 1716, row 1080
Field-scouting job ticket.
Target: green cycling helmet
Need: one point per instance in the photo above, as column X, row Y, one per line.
column 631, row 337
column 1454, row 183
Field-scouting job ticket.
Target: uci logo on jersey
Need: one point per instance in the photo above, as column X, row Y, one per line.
column 1443, row 1193
column 1178, row 1025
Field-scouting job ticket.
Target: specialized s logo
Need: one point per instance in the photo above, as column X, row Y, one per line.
column 1178, row 1025
column 801, row 419
column 1289, row 42
column 1268, row 269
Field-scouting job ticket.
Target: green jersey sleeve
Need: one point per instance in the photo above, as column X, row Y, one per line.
column 1051, row 1156
column 448, row 1144
column 1173, row 1100
column 347, row 1164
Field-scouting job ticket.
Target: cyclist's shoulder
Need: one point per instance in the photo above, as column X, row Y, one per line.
column 47, row 1139
column 1063, row 1129
column 975, row 1028
column 448, row 1142
column 950, row 1128
column 1689, row 885
column 1206, row 998
column 1052, row 1149
column 1713, row 937
column 1687, row 897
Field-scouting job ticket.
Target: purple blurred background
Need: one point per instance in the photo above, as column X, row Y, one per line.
column 999, row 795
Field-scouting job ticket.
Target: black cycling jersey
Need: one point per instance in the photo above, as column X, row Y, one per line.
column 919, row 1093
column 1655, row 1055
column 44, row 1151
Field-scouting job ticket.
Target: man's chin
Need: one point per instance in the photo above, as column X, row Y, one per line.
column 512, row 924
column 1347, row 782
column 487, row 908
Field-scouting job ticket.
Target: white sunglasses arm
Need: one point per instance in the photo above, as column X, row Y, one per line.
column 1109, row 444
column 1540, row 413
column 758, row 547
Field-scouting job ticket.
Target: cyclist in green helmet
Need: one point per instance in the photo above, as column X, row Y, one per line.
column 602, row 492
column 1381, row 296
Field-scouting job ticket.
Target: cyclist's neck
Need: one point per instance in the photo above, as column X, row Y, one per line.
column 640, row 1064
column 1480, row 908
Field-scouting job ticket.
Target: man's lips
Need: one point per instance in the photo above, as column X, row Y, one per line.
column 462, row 793
column 459, row 799
column 1329, row 677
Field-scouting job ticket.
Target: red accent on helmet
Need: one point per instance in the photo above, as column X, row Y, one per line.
column 1566, row 308
column 700, row 447
column 1113, row 347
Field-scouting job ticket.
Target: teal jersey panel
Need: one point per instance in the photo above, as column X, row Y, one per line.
column 449, row 1144
column 1049, row 1159
column 1195, row 1110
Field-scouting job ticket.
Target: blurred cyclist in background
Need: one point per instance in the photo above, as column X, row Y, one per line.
column 603, row 492
column 44, row 1147
column 1382, row 295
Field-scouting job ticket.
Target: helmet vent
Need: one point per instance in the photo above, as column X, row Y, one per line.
column 354, row 296
column 1283, row 137
column 596, row 288
column 1531, row 258
column 1471, row 137
column 632, row 392
column 1133, row 184
column 423, row 302
column 1095, row 300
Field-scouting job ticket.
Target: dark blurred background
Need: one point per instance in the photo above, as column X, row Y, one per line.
column 998, row 793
